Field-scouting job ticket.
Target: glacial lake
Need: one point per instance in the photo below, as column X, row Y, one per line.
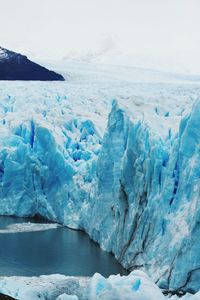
column 59, row 250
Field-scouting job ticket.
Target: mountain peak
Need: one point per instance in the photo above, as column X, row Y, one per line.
column 15, row 66
column 2, row 52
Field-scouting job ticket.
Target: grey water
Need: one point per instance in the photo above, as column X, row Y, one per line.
column 54, row 251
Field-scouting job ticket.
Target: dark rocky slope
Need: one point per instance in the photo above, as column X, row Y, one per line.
column 14, row 66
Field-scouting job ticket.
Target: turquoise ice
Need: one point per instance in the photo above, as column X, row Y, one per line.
column 130, row 180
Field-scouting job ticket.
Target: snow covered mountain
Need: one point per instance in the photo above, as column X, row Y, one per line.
column 14, row 66
column 110, row 50
column 130, row 180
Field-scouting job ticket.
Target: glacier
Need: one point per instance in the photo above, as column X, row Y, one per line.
column 113, row 155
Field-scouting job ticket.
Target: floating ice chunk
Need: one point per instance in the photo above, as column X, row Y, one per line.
column 67, row 297
column 28, row 227
column 46, row 287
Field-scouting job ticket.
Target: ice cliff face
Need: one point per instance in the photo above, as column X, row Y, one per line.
column 135, row 191
column 146, row 206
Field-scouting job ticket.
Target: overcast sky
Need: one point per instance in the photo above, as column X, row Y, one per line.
column 141, row 28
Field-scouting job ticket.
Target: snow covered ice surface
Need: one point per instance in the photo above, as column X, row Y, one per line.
column 43, row 287
column 136, row 286
column 130, row 180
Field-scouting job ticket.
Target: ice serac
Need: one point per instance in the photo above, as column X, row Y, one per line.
column 42, row 169
column 146, row 206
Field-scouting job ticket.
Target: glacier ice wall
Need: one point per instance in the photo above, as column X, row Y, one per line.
column 135, row 191
column 146, row 206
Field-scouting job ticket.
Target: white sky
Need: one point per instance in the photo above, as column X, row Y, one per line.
column 152, row 31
